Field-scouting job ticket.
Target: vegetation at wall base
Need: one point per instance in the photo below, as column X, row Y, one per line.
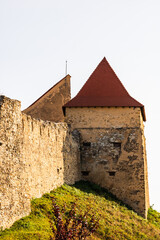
column 104, row 216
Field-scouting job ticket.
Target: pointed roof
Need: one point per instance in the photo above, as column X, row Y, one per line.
column 104, row 89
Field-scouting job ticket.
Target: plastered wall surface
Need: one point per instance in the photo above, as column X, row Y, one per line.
column 113, row 151
column 35, row 157
column 49, row 106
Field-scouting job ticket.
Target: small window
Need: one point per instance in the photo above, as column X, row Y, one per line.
column 112, row 173
column 48, row 133
column 85, row 173
column 22, row 124
column 86, row 144
column 32, row 126
column 40, row 131
column 117, row 145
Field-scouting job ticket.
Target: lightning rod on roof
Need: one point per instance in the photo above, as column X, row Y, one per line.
column 66, row 67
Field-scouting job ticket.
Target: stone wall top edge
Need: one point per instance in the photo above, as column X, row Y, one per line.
column 3, row 98
column 44, row 123
column 28, row 118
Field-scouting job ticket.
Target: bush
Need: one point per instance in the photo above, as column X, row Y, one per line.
column 75, row 226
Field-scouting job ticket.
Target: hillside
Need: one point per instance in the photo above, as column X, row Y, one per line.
column 115, row 220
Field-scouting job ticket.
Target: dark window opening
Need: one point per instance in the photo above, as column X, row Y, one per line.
column 85, row 173
column 117, row 145
column 23, row 124
column 86, row 144
column 1, row 144
column 32, row 126
column 58, row 170
column 112, row 173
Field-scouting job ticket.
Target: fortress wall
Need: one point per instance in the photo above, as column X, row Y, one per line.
column 113, row 151
column 35, row 157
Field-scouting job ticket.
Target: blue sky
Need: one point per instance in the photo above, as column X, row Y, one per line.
column 37, row 37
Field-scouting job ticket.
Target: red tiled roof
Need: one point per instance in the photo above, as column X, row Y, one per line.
column 104, row 89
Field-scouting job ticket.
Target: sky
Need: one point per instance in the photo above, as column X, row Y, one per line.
column 37, row 37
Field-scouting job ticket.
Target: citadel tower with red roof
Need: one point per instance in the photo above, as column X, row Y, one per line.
column 110, row 123
column 97, row 136
column 104, row 89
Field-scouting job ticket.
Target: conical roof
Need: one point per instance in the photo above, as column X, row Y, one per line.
column 104, row 89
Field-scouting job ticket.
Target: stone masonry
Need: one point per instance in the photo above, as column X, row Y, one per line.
column 110, row 123
column 35, row 157
column 113, row 151
column 99, row 137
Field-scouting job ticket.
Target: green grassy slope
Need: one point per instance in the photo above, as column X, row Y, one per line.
column 116, row 221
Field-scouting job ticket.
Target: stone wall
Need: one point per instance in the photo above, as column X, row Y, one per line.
column 113, row 151
column 38, row 156
column 35, row 157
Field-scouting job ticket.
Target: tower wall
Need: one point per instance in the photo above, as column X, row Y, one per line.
column 113, row 151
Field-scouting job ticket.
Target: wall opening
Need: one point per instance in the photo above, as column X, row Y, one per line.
column 85, row 173
column 22, row 124
column 40, row 131
column 117, row 144
column 112, row 173
column 32, row 126
column 87, row 144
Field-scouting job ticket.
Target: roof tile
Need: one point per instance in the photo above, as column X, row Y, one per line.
column 103, row 88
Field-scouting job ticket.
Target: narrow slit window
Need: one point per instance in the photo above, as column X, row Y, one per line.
column 112, row 173
column 85, row 173
column 32, row 126
column 40, row 130
column 87, row 144
column 117, row 145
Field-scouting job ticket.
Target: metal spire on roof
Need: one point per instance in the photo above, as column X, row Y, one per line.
column 66, row 68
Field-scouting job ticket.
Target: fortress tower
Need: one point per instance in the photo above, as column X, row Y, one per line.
column 110, row 122
column 102, row 141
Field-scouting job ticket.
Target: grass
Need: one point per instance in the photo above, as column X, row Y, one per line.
column 116, row 221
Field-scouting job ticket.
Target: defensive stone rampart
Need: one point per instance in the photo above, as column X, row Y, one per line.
column 35, row 157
